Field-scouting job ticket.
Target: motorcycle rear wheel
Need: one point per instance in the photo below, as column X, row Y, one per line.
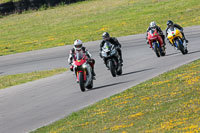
column 120, row 71
column 163, row 52
column 90, row 86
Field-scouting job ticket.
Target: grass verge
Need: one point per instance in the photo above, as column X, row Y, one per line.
column 88, row 20
column 167, row 103
column 11, row 80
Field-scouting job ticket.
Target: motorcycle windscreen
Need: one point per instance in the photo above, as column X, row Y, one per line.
column 152, row 31
column 171, row 32
column 107, row 45
column 80, row 58
column 79, row 55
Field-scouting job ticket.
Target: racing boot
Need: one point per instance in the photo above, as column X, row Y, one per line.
column 121, row 61
column 164, row 44
column 148, row 44
column 184, row 37
column 186, row 40
column 93, row 74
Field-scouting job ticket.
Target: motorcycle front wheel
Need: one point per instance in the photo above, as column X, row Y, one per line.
column 156, row 50
column 180, row 46
column 81, row 81
column 112, row 68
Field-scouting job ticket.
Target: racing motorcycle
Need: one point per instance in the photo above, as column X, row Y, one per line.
column 156, row 42
column 176, row 39
column 111, row 58
column 83, row 71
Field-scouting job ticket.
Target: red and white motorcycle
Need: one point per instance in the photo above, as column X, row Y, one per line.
column 156, row 42
column 83, row 71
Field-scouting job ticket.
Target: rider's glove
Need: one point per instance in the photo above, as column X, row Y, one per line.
column 72, row 68
column 147, row 41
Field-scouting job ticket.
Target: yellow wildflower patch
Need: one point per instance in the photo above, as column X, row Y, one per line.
column 160, row 82
column 117, row 127
column 116, row 97
column 136, row 115
column 129, row 97
column 186, row 77
column 123, row 23
column 193, row 80
column 103, row 29
column 145, row 98
column 180, row 75
column 124, row 102
column 85, row 26
column 191, row 127
column 170, row 124
column 100, row 113
column 58, row 130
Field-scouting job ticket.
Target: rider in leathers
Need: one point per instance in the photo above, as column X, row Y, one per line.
column 112, row 40
column 160, row 32
column 170, row 24
column 79, row 48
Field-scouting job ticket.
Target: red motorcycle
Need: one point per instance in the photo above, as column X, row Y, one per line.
column 83, row 71
column 156, row 42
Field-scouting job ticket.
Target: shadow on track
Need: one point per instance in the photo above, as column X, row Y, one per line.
column 136, row 71
column 178, row 52
column 172, row 54
column 193, row 52
column 104, row 86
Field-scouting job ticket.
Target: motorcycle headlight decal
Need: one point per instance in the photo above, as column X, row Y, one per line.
column 84, row 65
column 104, row 54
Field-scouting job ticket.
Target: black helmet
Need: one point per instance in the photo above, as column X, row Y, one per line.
column 105, row 35
column 169, row 23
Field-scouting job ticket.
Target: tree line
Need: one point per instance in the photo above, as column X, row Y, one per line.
column 23, row 5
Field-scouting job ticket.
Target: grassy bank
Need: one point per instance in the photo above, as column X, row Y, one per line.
column 167, row 103
column 11, row 80
column 88, row 20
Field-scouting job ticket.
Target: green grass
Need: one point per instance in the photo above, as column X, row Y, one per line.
column 11, row 80
column 88, row 20
column 4, row 1
column 169, row 102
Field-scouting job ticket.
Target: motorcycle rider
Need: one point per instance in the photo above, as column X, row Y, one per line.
column 171, row 24
column 112, row 40
column 79, row 48
column 153, row 25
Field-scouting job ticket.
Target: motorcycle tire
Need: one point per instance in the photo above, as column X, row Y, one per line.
column 180, row 47
column 186, row 51
column 163, row 52
column 120, row 71
column 156, row 50
column 81, row 81
column 112, row 68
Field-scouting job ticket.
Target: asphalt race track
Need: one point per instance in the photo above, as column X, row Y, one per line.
column 29, row 106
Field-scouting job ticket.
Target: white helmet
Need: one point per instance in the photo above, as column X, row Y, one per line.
column 78, row 45
column 153, row 24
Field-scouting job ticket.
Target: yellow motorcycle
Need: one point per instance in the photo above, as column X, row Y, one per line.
column 176, row 38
